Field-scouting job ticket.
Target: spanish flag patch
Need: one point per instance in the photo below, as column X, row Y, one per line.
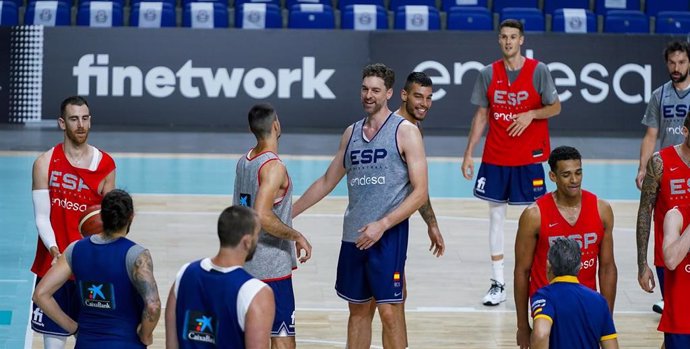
column 537, row 182
column 396, row 276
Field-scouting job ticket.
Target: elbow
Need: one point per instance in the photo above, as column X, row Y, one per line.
column 670, row 262
column 153, row 308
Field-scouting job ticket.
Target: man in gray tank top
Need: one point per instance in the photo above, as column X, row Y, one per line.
column 262, row 183
column 667, row 108
column 383, row 157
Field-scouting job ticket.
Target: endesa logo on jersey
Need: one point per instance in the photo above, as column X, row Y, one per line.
column 366, row 180
column 69, row 205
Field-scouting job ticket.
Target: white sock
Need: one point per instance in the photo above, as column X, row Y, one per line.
column 54, row 342
column 497, row 267
column 497, row 218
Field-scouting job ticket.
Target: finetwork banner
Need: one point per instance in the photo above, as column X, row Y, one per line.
column 210, row 78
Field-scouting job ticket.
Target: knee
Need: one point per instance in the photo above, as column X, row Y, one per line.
column 390, row 313
column 362, row 311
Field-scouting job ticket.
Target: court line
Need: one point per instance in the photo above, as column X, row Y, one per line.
column 319, row 341
column 453, row 310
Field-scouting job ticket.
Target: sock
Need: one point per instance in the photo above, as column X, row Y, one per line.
column 497, row 267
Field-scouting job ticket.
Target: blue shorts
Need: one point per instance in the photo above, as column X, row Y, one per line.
column 377, row 272
column 660, row 276
column 676, row 341
column 67, row 298
column 516, row 185
column 284, row 321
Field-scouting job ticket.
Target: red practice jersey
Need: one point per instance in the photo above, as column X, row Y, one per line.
column 71, row 190
column 588, row 231
column 506, row 100
column 675, row 317
column 674, row 190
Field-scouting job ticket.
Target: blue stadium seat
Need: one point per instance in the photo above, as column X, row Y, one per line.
column 395, row 4
column 238, row 3
column 290, row 3
column 417, row 18
column 9, row 14
column 311, row 16
column 258, row 16
column 205, row 15
column 222, row 2
column 152, row 15
column 447, row 4
column 342, row 4
column 499, row 5
column 48, row 13
column 100, row 14
column 531, row 18
column 171, row 2
column 653, row 7
column 573, row 17
column 17, row 3
column 626, row 21
column 603, row 6
column 672, row 22
column 79, row 2
column 552, row 5
column 364, row 17
column 469, row 18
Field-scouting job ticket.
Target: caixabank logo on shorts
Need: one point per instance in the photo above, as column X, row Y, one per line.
column 97, row 294
column 200, row 327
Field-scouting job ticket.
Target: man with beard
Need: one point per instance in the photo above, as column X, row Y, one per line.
column 568, row 212
column 214, row 302
column 515, row 96
column 383, row 157
column 262, row 183
column 67, row 179
column 664, row 120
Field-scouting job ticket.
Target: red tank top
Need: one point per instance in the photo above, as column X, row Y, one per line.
column 674, row 190
column 588, row 231
column 71, row 190
column 675, row 317
column 507, row 99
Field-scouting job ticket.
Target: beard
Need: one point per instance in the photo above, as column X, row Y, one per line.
column 679, row 79
column 75, row 138
column 250, row 254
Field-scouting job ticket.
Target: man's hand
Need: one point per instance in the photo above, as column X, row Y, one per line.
column 302, row 244
column 645, row 278
column 55, row 253
column 371, row 233
column 146, row 339
column 436, row 239
column 640, row 177
column 520, row 123
column 467, row 167
column 522, row 336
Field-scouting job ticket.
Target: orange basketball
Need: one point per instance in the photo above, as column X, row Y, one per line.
column 90, row 222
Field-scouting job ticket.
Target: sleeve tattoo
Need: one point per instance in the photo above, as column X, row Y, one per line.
column 648, row 196
column 428, row 213
column 145, row 284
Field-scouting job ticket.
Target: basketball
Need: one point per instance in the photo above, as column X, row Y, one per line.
column 90, row 222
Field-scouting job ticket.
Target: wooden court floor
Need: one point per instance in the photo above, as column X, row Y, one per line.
column 443, row 304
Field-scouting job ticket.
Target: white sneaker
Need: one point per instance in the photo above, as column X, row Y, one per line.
column 658, row 307
column 496, row 294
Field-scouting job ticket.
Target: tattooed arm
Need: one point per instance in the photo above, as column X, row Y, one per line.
column 648, row 196
column 435, row 236
column 142, row 278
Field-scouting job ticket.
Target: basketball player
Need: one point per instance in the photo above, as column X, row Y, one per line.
column 262, row 183
column 214, row 302
column 66, row 180
column 383, row 157
column 515, row 96
column 567, row 314
column 119, row 299
column 567, row 212
column 675, row 322
column 664, row 120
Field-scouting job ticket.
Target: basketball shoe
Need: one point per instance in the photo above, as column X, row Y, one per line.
column 496, row 294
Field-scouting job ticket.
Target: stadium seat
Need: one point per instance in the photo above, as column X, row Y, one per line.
column 342, row 4
column 152, row 15
column 100, row 14
column 672, row 22
column 653, row 7
column 311, row 16
column 79, row 2
column 238, row 3
column 258, row 16
column 469, row 18
column 290, row 3
column 205, row 15
column 171, row 2
column 47, row 13
column 531, row 18
column 416, row 18
column 603, row 6
column 499, row 5
column 447, row 4
column 626, row 21
column 364, row 17
column 552, row 5
column 395, row 4
column 573, row 20
column 9, row 14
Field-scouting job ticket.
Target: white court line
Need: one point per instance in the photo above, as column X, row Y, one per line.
column 455, row 310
